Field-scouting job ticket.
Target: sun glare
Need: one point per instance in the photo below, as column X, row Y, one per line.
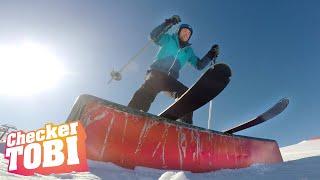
column 28, row 68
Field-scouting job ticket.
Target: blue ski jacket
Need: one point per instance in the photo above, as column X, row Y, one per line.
column 172, row 56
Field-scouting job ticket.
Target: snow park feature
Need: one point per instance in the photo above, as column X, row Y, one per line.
column 5, row 129
column 53, row 149
column 131, row 138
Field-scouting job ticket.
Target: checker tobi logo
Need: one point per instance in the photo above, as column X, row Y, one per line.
column 53, row 149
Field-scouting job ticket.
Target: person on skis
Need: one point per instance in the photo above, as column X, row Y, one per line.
column 175, row 51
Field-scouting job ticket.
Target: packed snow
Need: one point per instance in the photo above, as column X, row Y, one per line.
column 303, row 149
column 302, row 162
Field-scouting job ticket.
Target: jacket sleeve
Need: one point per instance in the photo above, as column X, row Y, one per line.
column 197, row 62
column 159, row 36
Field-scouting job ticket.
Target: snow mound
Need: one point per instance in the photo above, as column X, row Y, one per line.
column 301, row 150
column 302, row 162
column 315, row 138
column 173, row 176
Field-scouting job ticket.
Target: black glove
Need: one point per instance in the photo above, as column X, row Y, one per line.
column 175, row 19
column 213, row 52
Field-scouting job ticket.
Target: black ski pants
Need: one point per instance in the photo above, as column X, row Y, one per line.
column 154, row 83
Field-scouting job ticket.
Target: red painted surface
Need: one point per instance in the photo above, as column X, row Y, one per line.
column 134, row 139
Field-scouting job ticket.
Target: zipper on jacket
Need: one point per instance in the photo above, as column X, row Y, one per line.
column 175, row 59
column 174, row 62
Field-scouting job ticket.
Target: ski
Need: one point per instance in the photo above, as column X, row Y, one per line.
column 269, row 114
column 209, row 85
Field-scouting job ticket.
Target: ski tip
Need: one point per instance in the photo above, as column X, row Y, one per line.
column 223, row 69
column 284, row 101
column 276, row 109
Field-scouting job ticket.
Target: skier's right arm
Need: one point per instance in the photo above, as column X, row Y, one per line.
column 159, row 35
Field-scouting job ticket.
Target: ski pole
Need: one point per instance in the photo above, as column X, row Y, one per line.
column 210, row 115
column 116, row 75
column 210, row 103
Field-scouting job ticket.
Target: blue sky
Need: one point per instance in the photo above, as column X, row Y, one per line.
column 272, row 47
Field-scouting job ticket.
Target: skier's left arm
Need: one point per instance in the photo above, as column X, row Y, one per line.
column 202, row 63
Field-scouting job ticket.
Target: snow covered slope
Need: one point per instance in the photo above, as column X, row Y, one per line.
column 302, row 162
column 303, row 149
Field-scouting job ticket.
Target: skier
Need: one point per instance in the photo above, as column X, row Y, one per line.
column 175, row 51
